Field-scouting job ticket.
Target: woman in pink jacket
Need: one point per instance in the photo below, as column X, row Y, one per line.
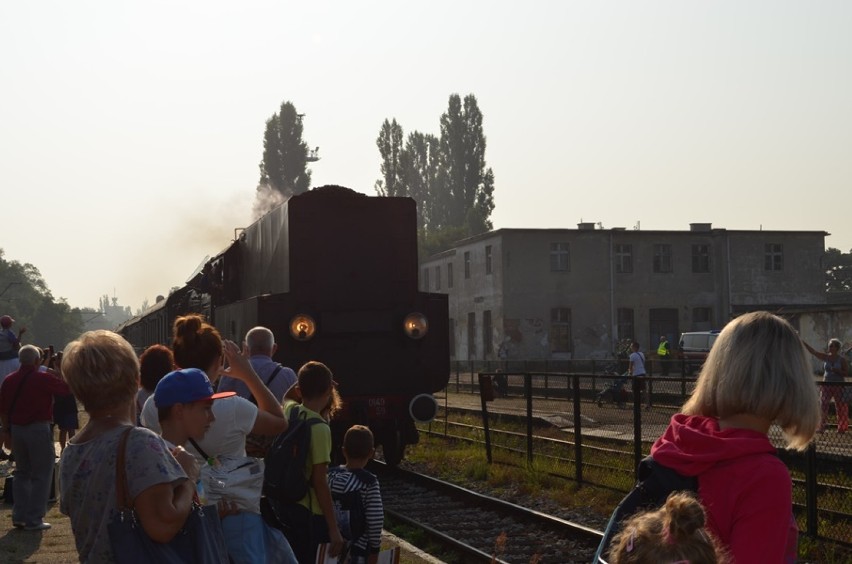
column 755, row 376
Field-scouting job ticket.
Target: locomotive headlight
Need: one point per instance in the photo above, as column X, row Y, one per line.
column 302, row 327
column 416, row 326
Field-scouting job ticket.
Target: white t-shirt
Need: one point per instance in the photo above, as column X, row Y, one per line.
column 235, row 418
column 638, row 361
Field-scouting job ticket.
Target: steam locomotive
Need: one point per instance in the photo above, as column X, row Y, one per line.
column 333, row 273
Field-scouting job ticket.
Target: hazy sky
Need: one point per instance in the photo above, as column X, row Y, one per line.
column 130, row 132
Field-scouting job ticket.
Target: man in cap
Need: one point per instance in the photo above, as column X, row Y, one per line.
column 9, row 345
column 184, row 400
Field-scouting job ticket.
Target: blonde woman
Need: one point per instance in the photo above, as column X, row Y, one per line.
column 755, row 376
column 103, row 373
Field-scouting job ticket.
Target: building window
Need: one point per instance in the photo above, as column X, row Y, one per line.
column 701, row 315
column 625, row 323
column 437, row 277
column 560, row 330
column 467, row 265
column 488, row 259
column 487, row 347
column 662, row 258
column 426, row 279
column 560, row 259
column 449, row 275
column 774, row 257
column 700, row 258
column 452, row 337
column 471, row 335
column 623, row 258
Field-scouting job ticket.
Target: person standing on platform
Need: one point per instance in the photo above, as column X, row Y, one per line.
column 637, row 370
column 155, row 362
column 9, row 346
column 311, row 521
column 26, row 409
column 260, row 347
column 664, row 353
column 835, row 369
column 756, row 378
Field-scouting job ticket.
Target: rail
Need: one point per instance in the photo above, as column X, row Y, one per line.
column 561, row 419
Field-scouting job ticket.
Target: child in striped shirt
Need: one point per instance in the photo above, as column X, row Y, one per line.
column 356, row 496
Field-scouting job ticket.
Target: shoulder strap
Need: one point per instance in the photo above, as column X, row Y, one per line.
column 274, row 374
column 271, row 378
column 197, row 447
column 122, row 496
column 366, row 477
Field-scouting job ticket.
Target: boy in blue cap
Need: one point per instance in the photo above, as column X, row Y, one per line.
column 184, row 400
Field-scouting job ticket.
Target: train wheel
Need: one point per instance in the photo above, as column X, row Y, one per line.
column 393, row 447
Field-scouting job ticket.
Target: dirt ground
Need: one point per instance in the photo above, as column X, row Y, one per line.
column 54, row 545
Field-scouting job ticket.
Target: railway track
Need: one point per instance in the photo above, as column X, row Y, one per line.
column 482, row 528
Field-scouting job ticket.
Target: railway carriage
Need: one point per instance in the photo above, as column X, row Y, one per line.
column 333, row 273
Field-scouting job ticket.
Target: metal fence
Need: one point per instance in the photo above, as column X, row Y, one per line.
column 592, row 424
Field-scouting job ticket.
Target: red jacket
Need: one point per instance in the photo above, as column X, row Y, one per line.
column 744, row 487
column 35, row 402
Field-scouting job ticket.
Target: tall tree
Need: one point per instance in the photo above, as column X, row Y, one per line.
column 283, row 170
column 447, row 176
column 420, row 164
column 838, row 270
column 468, row 185
column 390, row 149
column 27, row 298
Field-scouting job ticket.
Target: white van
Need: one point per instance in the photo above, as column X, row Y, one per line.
column 694, row 347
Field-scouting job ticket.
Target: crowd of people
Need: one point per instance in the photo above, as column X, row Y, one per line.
column 181, row 419
column 181, row 423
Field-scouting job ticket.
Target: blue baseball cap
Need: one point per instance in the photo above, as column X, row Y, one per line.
column 185, row 386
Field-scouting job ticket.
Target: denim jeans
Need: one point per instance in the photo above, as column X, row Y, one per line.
column 251, row 541
column 35, row 457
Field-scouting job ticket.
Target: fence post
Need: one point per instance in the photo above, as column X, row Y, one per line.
column 578, row 431
column 485, row 428
column 594, row 373
column 637, row 422
column 811, row 490
column 528, row 394
column 446, row 413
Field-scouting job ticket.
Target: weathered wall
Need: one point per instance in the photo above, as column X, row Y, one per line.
column 521, row 291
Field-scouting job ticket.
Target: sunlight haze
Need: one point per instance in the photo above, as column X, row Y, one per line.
column 132, row 131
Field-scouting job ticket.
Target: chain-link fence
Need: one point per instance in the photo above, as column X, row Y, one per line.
column 591, row 423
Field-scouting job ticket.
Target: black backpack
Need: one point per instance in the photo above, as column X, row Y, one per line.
column 654, row 483
column 349, row 506
column 284, row 477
